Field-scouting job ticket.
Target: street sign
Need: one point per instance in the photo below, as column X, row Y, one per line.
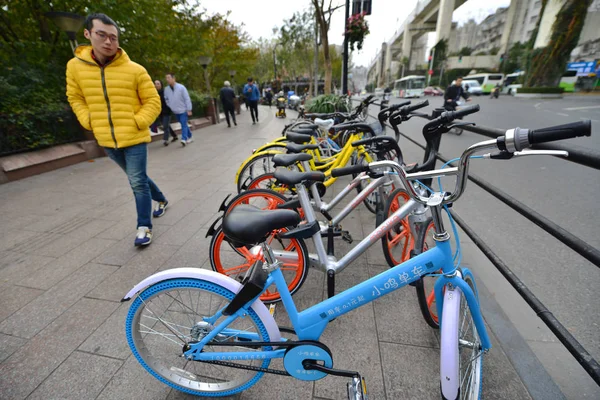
column 582, row 68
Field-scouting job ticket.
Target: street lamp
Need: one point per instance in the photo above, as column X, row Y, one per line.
column 69, row 23
column 204, row 61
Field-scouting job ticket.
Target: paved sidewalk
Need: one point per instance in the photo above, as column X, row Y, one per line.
column 67, row 258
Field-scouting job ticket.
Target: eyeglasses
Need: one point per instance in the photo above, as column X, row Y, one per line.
column 103, row 36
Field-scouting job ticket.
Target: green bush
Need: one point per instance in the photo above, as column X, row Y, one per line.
column 327, row 103
column 540, row 90
column 199, row 103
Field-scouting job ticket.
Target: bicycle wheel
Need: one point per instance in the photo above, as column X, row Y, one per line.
column 234, row 262
column 424, row 286
column 398, row 241
column 172, row 313
column 460, row 346
column 258, row 164
column 371, row 200
column 268, row 182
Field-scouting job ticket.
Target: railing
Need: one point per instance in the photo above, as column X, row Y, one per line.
column 582, row 156
column 27, row 132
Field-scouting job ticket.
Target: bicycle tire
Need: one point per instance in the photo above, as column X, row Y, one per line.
column 145, row 326
column 460, row 345
column 424, row 286
column 399, row 237
column 268, row 182
column 242, row 260
column 257, row 164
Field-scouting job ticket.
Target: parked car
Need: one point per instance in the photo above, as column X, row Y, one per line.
column 433, row 91
column 472, row 86
column 379, row 92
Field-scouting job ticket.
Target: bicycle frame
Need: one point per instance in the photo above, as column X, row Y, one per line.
column 309, row 324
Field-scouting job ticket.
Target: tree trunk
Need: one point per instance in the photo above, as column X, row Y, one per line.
column 324, row 27
column 548, row 64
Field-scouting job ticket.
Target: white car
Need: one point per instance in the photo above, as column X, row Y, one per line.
column 379, row 92
column 473, row 87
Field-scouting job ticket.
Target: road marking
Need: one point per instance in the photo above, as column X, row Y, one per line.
column 537, row 105
column 580, row 108
column 563, row 114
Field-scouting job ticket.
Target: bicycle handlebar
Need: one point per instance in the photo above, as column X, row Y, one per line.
column 513, row 139
column 353, row 169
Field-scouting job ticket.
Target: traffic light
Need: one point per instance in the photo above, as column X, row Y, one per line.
column 460, row 58
column 501, row 57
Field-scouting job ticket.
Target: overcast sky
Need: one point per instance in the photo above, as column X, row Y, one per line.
column 260, row 16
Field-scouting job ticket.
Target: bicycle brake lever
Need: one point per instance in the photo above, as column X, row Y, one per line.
column 455, row 124
column 561, row 153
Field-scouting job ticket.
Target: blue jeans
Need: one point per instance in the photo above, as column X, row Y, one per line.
column 185, row 129
column 133, row 160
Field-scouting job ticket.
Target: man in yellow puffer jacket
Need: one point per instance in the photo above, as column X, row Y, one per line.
column 116, row 99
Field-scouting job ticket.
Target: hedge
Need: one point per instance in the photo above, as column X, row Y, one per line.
column 544, row 90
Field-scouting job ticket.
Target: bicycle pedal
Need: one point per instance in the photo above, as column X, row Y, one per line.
column 346, row 237
column 357, row 389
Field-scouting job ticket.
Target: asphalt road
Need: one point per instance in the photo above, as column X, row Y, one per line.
column 566, row 193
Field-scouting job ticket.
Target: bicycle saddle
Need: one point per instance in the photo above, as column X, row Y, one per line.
column 285, row 160
column 298, row 138
column 374, row 127
column 248, row 225
column 325, row 123
column 288, row 177
column 299, row 148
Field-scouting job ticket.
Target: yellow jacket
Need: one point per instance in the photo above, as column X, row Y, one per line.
column 118, row 102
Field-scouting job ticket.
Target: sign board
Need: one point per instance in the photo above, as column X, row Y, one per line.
column 582, row 68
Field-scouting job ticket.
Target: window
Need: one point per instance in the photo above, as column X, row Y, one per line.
column 569, row 74
column 495, row 77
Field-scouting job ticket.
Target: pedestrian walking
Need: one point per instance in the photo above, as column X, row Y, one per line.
column 165, row 115
column 253, row 95
column 114, row 98
column 269, row 97
column 227, row 96
column 178, row 100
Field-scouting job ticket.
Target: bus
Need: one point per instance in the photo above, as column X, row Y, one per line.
column 510, row 86
column 487, row 80
column 409, row 86
column 568, row 80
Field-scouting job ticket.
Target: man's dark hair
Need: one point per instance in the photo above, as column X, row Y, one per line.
column 250, row 79
column 459, row 77
column 105, row 19
column 172, row 74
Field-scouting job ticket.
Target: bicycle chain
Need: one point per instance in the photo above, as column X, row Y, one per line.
column 248, row 367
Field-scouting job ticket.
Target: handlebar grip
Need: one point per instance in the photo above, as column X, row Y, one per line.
column 373, row 139
column 560, row 132
column 414, row 107
column 354, row 169
column 395, row 107
column 466, row 111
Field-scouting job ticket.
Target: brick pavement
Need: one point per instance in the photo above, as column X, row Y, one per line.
column 67, row 258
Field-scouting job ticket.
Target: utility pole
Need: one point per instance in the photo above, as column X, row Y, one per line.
column 430, row 65
column 345, row 60
column 316, row 55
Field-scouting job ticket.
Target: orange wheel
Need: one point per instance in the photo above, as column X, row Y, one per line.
column 234, row 262
column 398, row 241
column 268, row 181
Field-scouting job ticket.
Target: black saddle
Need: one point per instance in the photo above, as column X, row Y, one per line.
column 247, row 225
column 285, row 160
column 298, row 138
column 291, row 178
column 299, row 148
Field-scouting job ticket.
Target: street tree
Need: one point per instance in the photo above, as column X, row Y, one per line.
column 324, row 20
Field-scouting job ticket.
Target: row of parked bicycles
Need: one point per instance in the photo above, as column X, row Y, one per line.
column 210, row 333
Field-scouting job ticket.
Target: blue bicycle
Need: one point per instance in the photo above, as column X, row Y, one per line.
column 206, row 334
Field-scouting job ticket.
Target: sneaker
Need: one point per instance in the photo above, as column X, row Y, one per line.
column 235, row 123
column 165, row 142
column 143, row 236
column 160, row 209
column 183, row 142
column 253, row 123
column 190, row 140
column 174, row 139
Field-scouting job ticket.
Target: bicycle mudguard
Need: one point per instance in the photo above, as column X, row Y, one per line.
column 211, row 231
column 213, row 277
column 251, row 289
